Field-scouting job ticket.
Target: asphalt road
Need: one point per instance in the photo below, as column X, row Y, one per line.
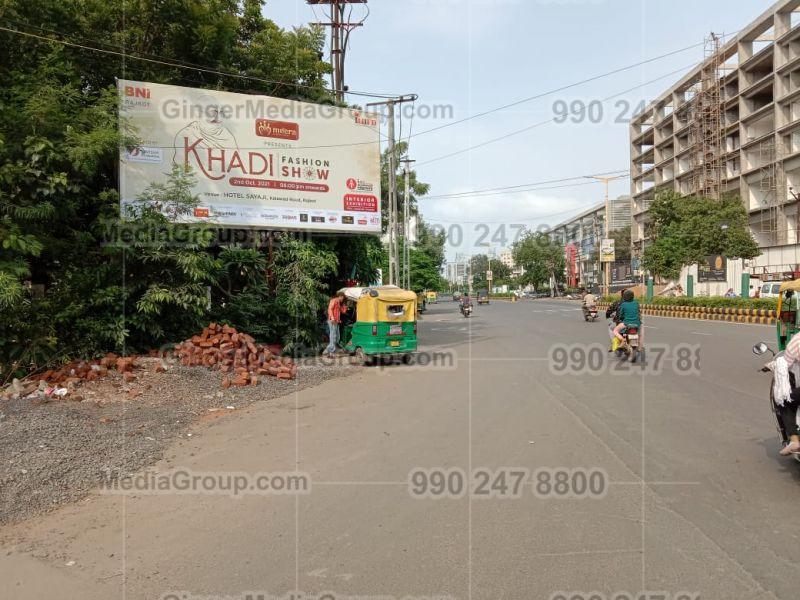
column 590, row 475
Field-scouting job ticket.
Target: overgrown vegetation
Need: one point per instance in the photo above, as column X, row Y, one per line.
column 69, row 284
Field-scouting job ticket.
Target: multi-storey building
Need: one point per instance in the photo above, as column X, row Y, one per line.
column 507, row 258
column 584, row 233
column 732, row 124
column 580, row 235
column 456, row 272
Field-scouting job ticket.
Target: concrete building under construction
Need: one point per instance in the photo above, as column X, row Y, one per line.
column 732, row 124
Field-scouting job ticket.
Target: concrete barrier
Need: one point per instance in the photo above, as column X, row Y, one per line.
column 709, row 313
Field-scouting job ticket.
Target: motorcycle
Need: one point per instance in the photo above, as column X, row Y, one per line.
column 466, row 310
column 630, row 349
column 758, row 350
column 589, row 313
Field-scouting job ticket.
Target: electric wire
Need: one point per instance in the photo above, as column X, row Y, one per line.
column 541, row 123
column 181, row 64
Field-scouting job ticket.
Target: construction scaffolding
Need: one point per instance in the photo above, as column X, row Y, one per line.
column 708, row 153
column 773, row 193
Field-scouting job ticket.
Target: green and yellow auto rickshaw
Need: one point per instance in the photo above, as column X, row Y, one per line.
column 788, row 321
column 422, row 302
column 385, row 323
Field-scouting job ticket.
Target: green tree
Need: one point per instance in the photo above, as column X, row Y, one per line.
column 480, row 263
column 64, row 290
column 685, row 230
column 541, row 257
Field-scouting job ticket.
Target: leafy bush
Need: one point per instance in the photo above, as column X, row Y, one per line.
column 707, row 301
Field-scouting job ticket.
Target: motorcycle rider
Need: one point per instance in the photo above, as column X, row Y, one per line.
column 629, row 316
column 788, row 412
column 466, row 301
column 612, row 313
column 588, row 302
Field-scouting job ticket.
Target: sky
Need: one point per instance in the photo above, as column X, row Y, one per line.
column 465, row 57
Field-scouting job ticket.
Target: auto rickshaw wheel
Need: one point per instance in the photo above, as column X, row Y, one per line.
column 407, row 359
column 361, row 359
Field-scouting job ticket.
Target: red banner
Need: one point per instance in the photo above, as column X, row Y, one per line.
column 361, row 202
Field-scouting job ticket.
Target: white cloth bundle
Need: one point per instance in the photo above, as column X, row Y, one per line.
column 781, row 386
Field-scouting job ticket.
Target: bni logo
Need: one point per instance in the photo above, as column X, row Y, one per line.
column 137, row 92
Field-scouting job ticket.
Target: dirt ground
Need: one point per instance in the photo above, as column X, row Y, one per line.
column 55, row 451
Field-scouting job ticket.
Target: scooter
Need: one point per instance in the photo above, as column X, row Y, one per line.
column 589, row 313
column 758, row 350
column 466, row 310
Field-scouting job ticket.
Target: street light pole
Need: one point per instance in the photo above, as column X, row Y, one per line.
column 607, row 219
column 394, row 262
column 406, row 225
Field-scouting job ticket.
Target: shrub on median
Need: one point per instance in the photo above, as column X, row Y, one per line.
column 707, row 301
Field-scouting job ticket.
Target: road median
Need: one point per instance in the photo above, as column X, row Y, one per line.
column 759, row 316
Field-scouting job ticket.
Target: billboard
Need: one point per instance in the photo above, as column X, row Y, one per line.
column 607, row 250
column 621, row 273
column 715, row 268
column 259, row 162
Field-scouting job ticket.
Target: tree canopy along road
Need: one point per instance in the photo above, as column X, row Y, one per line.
column 521, row 460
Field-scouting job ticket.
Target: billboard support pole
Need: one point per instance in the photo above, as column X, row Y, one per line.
column 394, row 263
column 406, row 225
column 393, row 260
column 607, row 219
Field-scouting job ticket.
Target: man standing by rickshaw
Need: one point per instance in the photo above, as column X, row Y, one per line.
column 334, row 318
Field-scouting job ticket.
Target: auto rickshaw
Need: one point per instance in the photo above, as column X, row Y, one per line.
column 432, row 297
column 788, row 321
column 422, row 303
column 385, row 323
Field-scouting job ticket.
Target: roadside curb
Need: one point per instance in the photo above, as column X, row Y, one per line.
column 757, row 316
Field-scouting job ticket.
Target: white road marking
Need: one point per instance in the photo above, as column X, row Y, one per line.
column 700, row 333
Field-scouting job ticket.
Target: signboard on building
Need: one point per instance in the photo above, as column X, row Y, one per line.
column 714, row 268
column 607, row 252
column 621, row 273
column 258, row 161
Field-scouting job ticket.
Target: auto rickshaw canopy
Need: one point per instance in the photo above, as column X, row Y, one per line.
column 788, row 321
column 787, row 286
column 386, row 303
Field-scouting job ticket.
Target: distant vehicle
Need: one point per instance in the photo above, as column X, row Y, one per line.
column 771, row 289
column 483, row 297
column 431, row 297
column 456, row 296
column 421, row 304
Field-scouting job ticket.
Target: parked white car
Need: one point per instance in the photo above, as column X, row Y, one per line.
column 770, row 289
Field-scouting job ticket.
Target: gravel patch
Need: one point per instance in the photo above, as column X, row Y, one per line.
column 56, row 452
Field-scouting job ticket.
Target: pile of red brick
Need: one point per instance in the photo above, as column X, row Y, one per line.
column 79, row 371
column 235, row 354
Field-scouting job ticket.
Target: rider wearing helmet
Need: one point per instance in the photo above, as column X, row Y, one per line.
column 628, row 316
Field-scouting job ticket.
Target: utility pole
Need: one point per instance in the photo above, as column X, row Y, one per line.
column 394, row 263
column 406, row 224
column 340, row 35
column 607, row 265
